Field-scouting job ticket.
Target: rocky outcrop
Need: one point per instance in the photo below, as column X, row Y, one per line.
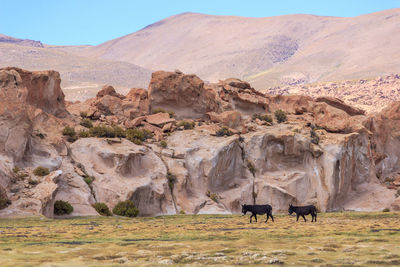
column 326, row 153
column 185, row 95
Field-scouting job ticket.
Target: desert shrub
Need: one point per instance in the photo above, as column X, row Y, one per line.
column 62, row 207
column 32, row 182
column 102, row 209
column 171, row 180
column 102, row 131
column 69, row 131
column 213, row 196
column 86, row 123
column 84, row 134
column 126, row 208
column 386, row 210
column 88, row 179
column 15, row 170
column 41, row 171
column 254, row 195
column 160, row 110
column 224, row 131
column 4, row 202
column 182, row 212
column 163, row 143
column 264, row 117
column 137, row 136
column 251, row 167
column 83, row 114
column 280, row 116
column 314, row 137
column 118, row 131
column 187, row 125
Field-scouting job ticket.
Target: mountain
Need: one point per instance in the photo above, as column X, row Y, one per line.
column 25, row 42
column 270, row 51
column 82, row 76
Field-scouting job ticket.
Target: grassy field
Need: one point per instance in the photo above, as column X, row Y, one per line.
column 337, row 239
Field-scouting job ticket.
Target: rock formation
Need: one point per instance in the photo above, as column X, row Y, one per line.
column 192, row 147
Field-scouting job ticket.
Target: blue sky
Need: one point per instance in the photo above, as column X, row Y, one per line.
column 76, row 22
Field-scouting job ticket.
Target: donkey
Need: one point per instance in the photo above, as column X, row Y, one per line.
column 304, row 210
column 258, row 209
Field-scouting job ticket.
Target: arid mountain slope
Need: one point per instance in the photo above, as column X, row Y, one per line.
column 82, row 77
column 265, row 51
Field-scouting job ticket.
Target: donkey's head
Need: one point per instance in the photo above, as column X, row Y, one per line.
column 290, row 210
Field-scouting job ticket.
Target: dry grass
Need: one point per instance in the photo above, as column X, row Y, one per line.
column 337, row 239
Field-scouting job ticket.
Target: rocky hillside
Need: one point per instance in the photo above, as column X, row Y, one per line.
column 267, row 51
column 188, row 146
column 24, row 42
column 371, row 95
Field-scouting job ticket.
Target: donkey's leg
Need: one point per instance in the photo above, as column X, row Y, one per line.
column 304, row 218
column 297, row 217
column 251, row 217
column 267, row 218
column 255, row 216
column 315, row 220
column 272, row 217
column 312, row 217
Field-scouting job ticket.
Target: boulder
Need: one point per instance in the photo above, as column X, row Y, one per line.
column 159, row 119
column 230, row 118
column 108, row 90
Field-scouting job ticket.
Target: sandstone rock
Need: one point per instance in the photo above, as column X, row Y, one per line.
column 159, row 119
column 396, row 205
column 135, row 122
column 230, row 118
column 108, row 90
column 185, row 95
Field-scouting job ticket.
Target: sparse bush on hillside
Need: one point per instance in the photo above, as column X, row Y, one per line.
column 83, row 114
column 84, row 134
column 137, row 136
column 70, row 133
column 102, row 131
column 280, row 116
column 86, row 123
column 62, row 207
column 15, row 170
column 224, row 131
column 32, row 182
column 126, row 208
column 163, row 143
column 213, row 196
column 119, row 132
column 41, row 171
column 264, row 117
column 187, row 125
column 89, row 180
column 386, row 210
column 4, row 202
column 102, row 209
column 171, row 180
column 251, row 167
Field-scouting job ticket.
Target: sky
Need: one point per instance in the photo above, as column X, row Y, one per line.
column 91, row 22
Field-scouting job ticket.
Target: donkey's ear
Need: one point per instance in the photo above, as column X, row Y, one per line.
column 290, row 205
column 242, row 205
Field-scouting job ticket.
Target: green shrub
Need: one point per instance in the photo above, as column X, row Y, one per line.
column 187, row 125
column 314, row 137
column 386, row 210
column 69, row 131
column 15, row 170
column 32, row 182
column 280, row 116
column 119, row 132
column 224, row 131
column 62, row 207
column 4, row 202
column 137, row 136
column 102, row 209
column 83, row 114
column 88, row 179
column 163, row 143
column 41, row 171
column 102, row 131
column 86, row 123
column 251, row 167
column 126, row 208
column 171, row 180
column 213, row 196
column 84, row 134
column 182, row 212
column 264, row 117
